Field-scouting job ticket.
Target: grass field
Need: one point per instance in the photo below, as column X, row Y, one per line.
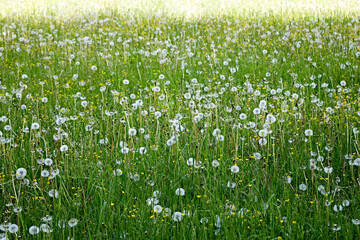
column 179, row 119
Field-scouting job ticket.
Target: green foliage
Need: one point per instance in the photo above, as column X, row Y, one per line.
column 137, row 122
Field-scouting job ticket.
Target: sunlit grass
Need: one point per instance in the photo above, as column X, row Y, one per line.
column 183, row 8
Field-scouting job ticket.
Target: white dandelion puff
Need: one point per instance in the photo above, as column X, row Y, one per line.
column 302, row 187
column 132, row 132
column 157, row 209
column 34, row 230
column 21, row 173
column 234, row 169
column 64, row 148
column 13, row 228
column 35, row 126
column 73, row 222
column 177, row 217
column 118, row 172
column 180, row 192
column 308, row 132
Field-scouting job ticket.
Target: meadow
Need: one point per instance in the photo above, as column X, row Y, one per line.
column 179, row 119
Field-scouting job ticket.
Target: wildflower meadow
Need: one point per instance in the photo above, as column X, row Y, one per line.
column 180, row 119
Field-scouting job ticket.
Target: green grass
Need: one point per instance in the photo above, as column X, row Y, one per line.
column 192, row 71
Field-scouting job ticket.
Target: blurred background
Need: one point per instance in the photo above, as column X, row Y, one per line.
column 181, row 8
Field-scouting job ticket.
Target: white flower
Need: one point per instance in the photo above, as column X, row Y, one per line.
column 177, row 217
column 73, row 222
column 54, row 193
column 21, row 173
column 190, row 162
column 355, row 221
column 157, row 114
column 262, row 141
column 338, row 208
column 346, row 203
column 156, row 89
column 84, row 103
column 328, row 169
column 33, row 230
column 126, row 82
column 35, row 126
column 231, row 184
column 151, row 201
column 270, row 119
column 187, row 96
column 320, row 159
column 218, row 221
column 302, row 187
column 330, row 110
column 47, row 218
column 197, row 164
column 356, row 162
column 124, row 150
column 234, row 169
column 157, row 194
column 216, row 132
column 94, row 68
column 118, row 172
column 48, row 162
column 336, row 227
column 157, row 209
column 64, row 148
column 4, row 227
column 308, row 132
column 142, row 150
column 45, row 173
column 242, row 116
column 257, row 156
column 45, row 228
column 13, row 228
column 132, row 132
column 263, row 133
column 215, row 163
column 180, row 192
column 17, row 209
column 220, row 138
column 321, row 189
column 288, row 179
